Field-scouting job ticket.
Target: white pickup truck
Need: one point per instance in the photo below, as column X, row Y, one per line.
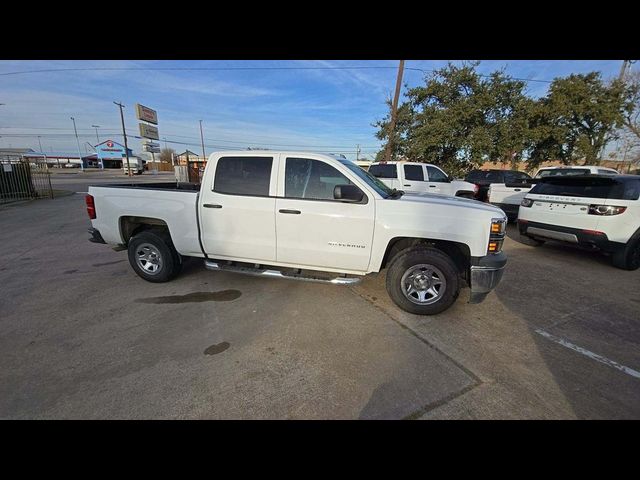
column 415, row 177
column 305, row 216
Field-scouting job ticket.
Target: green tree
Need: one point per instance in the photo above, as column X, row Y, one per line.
column 459, row 119
column 577, row 119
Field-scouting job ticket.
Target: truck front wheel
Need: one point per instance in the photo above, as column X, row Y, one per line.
column 153, row 256
column 423, row 281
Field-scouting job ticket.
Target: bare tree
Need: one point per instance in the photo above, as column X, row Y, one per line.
column 632, row 118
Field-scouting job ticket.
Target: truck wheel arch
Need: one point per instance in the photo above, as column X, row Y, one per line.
column 465, row 194
column 459, row 252
column 131, row 225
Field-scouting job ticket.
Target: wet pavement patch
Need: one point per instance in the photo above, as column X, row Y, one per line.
column 107, row 263
column 195, row 297
column 217, row 348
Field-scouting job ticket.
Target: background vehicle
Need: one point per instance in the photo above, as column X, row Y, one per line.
column 574, row 170
column 484, row 178
column 594, row 211
column 414, row 177
column 309, row 217
column 135, row 163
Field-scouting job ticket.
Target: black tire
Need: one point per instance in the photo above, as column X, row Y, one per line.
column 419, row 255
column 628, row 258
column 159, row 243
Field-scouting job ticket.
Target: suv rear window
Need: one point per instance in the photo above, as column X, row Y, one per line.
column 591, row 187
column 384, row 170
column 243, row 175
column 564, row 172
column 516, row 177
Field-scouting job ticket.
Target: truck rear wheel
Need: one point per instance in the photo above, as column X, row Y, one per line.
column 423, row 280
column 153, row 256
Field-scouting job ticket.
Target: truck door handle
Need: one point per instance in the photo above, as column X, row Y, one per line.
column 407, row 184
column 294, row 212
column 212, row 205
column 432, row 186
column 517, row 189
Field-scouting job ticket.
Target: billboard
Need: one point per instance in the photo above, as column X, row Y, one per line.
column 148, row 131
column 146, row 114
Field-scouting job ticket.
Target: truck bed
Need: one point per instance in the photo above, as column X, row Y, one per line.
column 171, row 203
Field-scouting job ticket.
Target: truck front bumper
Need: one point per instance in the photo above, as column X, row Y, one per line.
column 486, row 273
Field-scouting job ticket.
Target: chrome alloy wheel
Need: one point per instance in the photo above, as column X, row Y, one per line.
column 149, row 258
column 423, row 284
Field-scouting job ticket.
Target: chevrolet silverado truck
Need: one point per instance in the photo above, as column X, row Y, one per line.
column 308, row 217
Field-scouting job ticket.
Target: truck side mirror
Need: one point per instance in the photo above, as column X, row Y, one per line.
column 349, row 193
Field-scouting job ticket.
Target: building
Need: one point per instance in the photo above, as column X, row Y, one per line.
column 111, row 154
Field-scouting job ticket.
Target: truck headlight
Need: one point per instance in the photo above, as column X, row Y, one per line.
column 496, row 235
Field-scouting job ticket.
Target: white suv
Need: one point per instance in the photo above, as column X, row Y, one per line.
column 575, row 170
column 601, row 211
column 415, row 177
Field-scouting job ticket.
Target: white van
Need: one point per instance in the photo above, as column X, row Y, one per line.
column 597, row 211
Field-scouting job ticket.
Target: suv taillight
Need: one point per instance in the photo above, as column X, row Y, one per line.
column 605, row 210
column 91, row 206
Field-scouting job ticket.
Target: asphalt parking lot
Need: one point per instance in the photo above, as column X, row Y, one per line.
column 81, row 336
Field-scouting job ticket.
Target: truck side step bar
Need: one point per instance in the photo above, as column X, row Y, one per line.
column 262, row 272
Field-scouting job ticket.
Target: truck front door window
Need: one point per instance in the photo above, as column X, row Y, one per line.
column 243, row 175
column 311, row 179
column 436, row 175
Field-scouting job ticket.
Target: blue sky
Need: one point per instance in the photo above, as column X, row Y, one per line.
column 306, row 109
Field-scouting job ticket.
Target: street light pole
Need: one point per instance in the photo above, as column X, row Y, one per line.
column 96, row 127
column 40, row 144
column 98, row 142
column 124, row 134
column 78, row 142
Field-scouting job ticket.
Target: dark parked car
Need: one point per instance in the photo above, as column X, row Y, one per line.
column 484, row 178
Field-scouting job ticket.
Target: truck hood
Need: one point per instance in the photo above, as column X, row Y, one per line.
column 436, row 199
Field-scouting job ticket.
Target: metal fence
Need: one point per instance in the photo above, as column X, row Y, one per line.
column 22, row 179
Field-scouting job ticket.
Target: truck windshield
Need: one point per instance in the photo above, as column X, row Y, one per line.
column 372, row 181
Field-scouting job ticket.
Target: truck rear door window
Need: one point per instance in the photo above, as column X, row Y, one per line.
column 414, row 172
column 243, row 175
column 384, row 171
column 311, row 179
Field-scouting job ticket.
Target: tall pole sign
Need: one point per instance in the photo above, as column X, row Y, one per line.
column 150, row 132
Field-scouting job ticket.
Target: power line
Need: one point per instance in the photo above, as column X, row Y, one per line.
column 100, row 69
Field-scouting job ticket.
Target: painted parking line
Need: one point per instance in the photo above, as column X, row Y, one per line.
column 588, row 353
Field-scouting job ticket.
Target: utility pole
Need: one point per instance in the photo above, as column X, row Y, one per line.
column 357, row 152
column 97, row 138
column 204, row 155
column 623, row 70
column 394, row 112
column 40, row 144
column 78, row 142
column 124, row 134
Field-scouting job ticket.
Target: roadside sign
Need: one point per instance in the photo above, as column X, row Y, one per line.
column 150, row 143
column 149, row 131
column 146, row 114
column 150, row 149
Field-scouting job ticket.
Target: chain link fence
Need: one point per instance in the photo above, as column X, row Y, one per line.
column 22, row 179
